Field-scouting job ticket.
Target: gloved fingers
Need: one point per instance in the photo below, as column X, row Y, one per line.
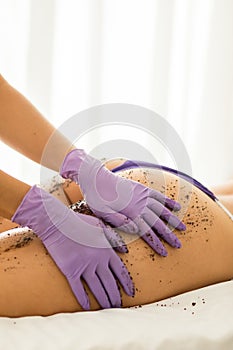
column 79, row 292
column 121, row 222
column 159, row 226
column 115, row 239
column 170, row 203
column 148, row 235
column 163, row 213
column 166, row 234
column 97, row 289
column 122, row 274
column 110, row 286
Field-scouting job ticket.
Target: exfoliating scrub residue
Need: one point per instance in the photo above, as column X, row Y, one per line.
column 195, row 213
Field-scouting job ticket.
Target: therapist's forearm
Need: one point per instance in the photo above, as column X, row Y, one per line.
column 12, row 192
column 23, row 128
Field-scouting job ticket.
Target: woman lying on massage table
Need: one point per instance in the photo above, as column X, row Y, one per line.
column 31, row 283
column 73, row 240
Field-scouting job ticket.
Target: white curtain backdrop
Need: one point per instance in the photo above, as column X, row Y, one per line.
column 174, row 57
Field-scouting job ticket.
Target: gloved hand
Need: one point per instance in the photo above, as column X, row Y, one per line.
column 126, row 204
column 78, row 245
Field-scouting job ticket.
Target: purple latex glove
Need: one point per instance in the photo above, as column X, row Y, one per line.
column 126, row 204
column 78, row 245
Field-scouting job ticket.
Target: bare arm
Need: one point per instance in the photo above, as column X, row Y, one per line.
column 23, row 128
column 12, row 192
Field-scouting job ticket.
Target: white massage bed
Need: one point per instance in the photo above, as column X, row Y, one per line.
column 201, row 319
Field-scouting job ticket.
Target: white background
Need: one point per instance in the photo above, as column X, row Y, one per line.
column 174, row 57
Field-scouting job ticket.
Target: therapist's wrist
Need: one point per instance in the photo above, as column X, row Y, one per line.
column 20, row 194
column 12, row 192
column 72, row 163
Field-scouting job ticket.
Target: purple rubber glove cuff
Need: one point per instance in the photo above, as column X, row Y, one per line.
column 71, row 165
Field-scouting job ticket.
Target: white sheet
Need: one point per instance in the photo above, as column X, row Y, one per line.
column 179, row 325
